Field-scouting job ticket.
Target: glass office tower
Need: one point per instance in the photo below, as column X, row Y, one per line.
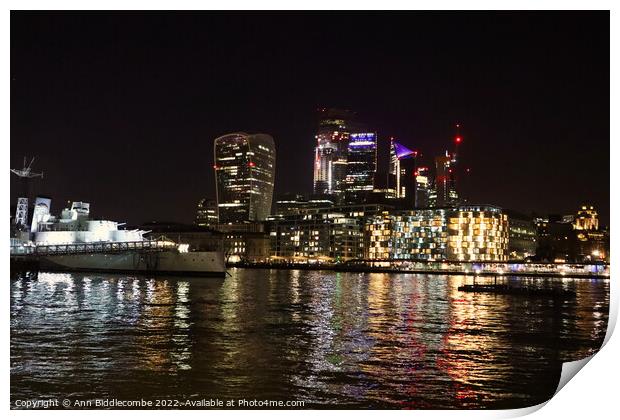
column 445, row 193
column 403, row 172
column 361, row 166
column 245, row 167
column 330, row 154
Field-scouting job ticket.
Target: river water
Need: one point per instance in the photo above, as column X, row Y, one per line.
column 332, row 340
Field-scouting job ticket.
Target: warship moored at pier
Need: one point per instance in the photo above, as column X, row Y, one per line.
column 75, row 242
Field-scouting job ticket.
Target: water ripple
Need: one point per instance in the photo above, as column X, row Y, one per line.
column 331, row 339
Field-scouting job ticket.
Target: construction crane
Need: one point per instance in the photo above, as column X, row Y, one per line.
column 26, row 173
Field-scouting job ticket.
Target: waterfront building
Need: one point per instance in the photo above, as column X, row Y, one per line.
column 327, row 235
column 245, row 173
column 592, row 242
column 466, row 233
column 586, row 218
column 556, row 240
column 206, row 213
column 592, row 245
column 522, row 233
column 330, row 154
column 572, row 239
column 361, row 166
column 245, row 242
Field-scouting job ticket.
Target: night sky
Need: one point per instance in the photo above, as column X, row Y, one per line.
column 121, row 110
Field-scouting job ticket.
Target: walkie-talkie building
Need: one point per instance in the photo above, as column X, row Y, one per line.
column 245, row 166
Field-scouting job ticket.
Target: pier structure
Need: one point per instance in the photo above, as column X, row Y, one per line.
column 43, row 250
column 482, row 268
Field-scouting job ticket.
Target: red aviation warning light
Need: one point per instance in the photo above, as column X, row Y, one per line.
column 251, row 164
column 457, row 138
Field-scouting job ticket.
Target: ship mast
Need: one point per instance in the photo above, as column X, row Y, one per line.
column 25, row 174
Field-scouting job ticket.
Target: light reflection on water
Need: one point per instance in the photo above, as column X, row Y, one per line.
column 330, row 339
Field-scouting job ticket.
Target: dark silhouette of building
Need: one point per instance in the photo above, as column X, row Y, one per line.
column 206, row 212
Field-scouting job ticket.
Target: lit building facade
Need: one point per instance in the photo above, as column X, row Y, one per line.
column 592, row 243
column 206, row 213
column 522, row 235
column 244, row 242
column 288, row 204
column 244, row 172
column 467, row 233
column 572, row 238
column 444, row 192
column 422, row 186
column 330, row 154
column 416, row 234
column 586, row 219
column 361, row 166
column 402, row 171
column 327, row 235
column 317, row 237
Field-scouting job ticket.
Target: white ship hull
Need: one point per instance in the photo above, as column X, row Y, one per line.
column 164, row 262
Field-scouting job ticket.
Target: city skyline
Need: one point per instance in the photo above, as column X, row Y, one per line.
column 105, row 139
column 289, row 210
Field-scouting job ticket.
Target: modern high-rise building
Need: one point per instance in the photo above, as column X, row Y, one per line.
column 403, row 171
column 444, row 188
column 444, row 192
column 330, row 154
column 422, row 186
column 206, row 213
column 361, row 166
column 245, row 166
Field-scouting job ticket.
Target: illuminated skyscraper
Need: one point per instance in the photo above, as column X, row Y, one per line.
column 445, row 193
column 402, row 170
column 361, row 166
column 245, row 166
column 330, row 153
column 422, row 186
